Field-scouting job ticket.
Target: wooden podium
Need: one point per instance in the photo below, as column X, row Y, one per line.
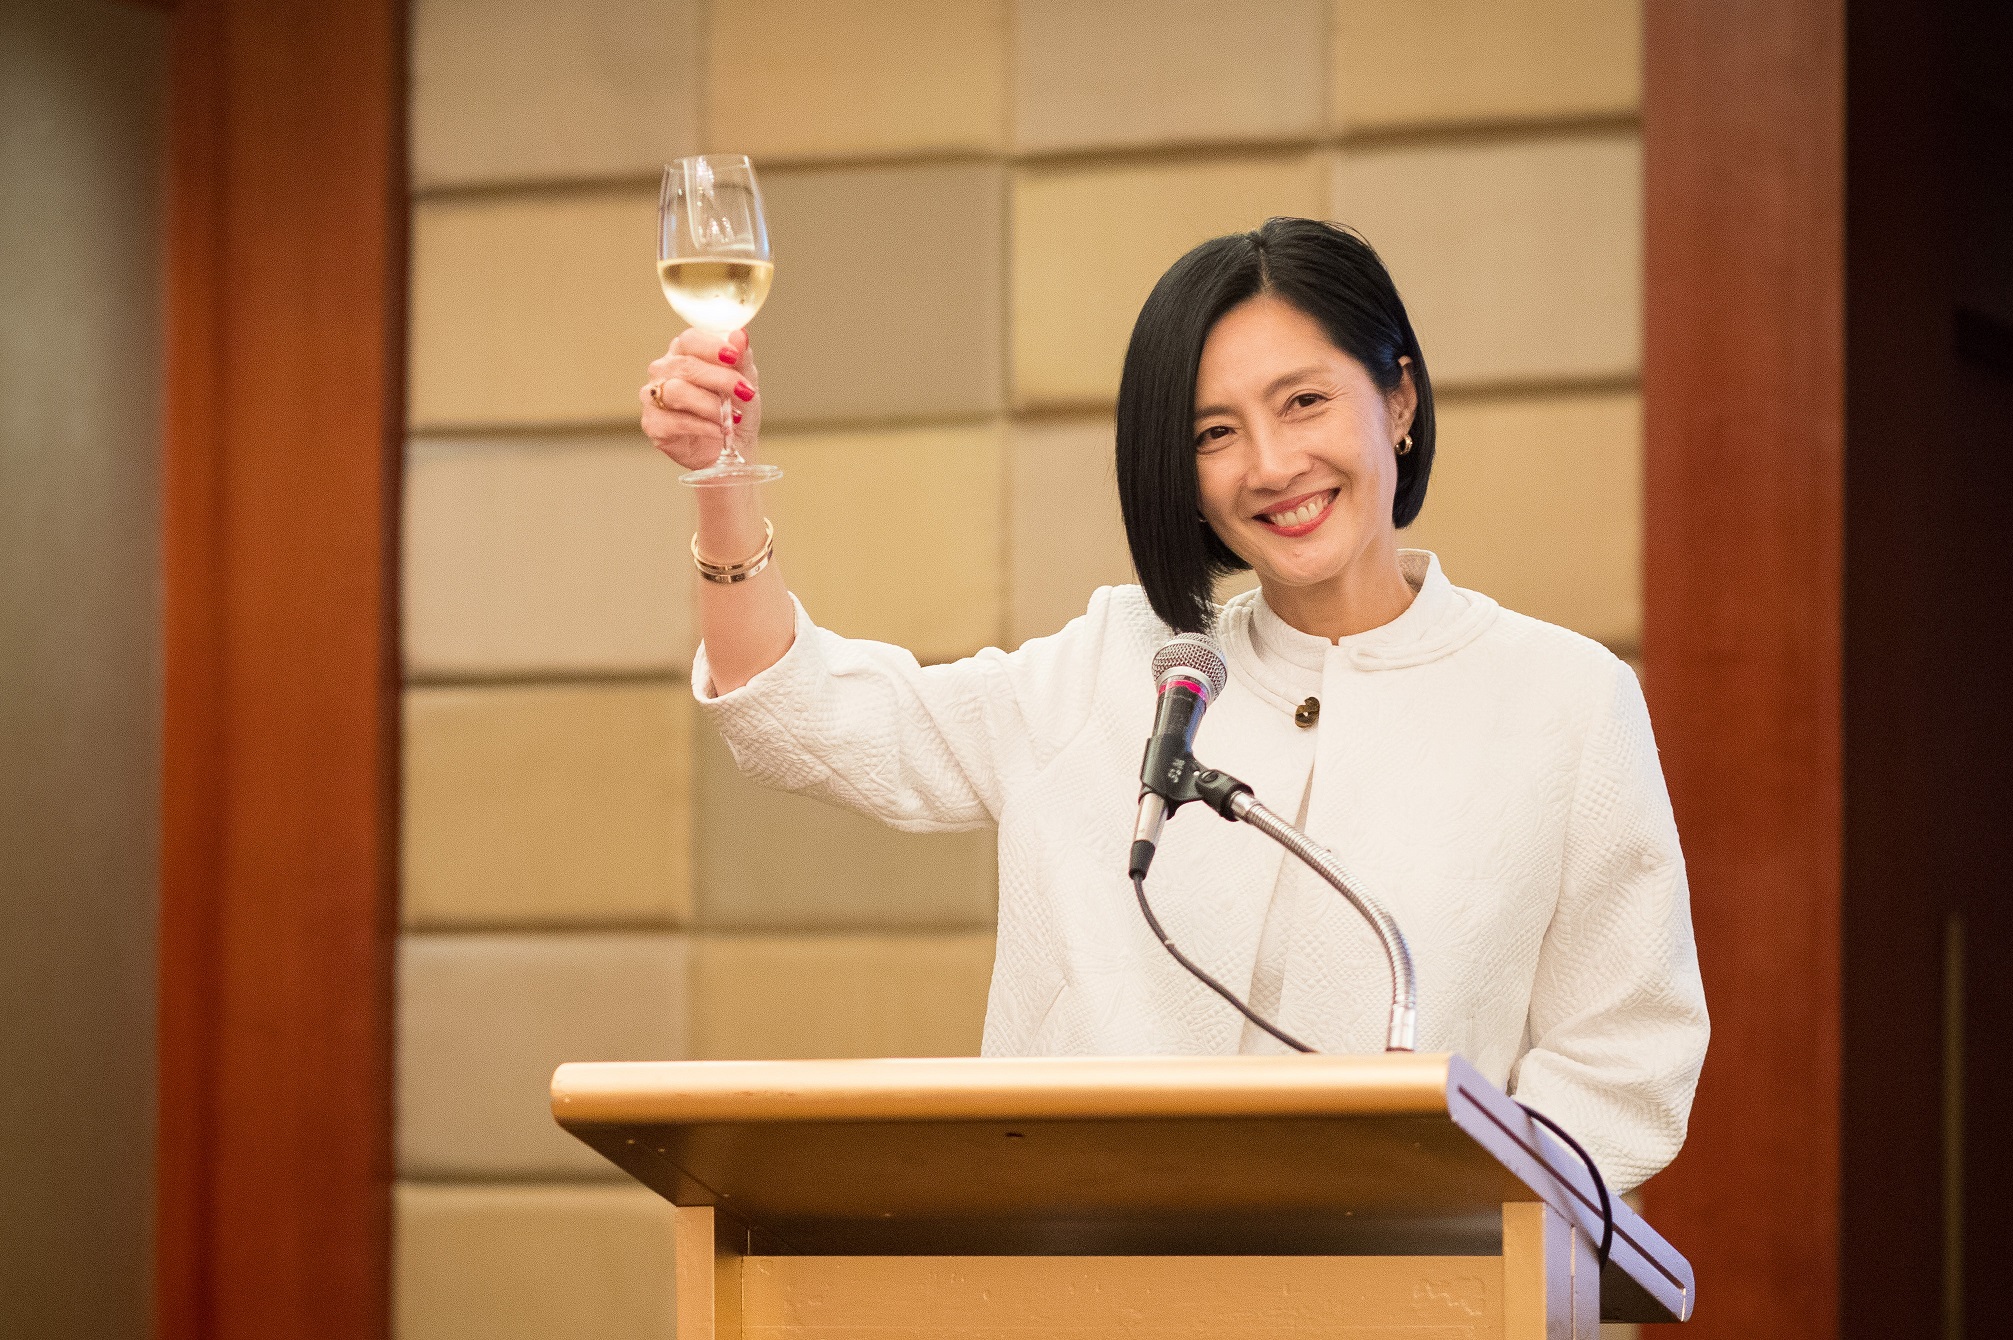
column 1198, row 1197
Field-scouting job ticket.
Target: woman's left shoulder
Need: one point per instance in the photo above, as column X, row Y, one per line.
column 1551, row 659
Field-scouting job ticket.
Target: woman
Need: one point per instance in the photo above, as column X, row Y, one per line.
column 1490, row 777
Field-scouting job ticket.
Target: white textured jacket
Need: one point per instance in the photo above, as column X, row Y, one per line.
column 1491, row 778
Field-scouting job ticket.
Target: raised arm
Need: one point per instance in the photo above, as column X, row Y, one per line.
column 747, row 625
column 859, row 723
column 923, row 748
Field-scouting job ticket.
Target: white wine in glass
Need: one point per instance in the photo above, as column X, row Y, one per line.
column 714, row 265
column 714, row 294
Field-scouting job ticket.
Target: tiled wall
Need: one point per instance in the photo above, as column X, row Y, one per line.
column 969, row 199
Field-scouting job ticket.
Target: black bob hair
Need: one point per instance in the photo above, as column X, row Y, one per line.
column 1322, row 269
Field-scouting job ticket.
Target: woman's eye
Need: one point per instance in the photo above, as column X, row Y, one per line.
column 1307, row 399
column 1211, row 435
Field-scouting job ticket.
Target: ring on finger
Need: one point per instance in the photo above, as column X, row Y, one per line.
column 657, row 395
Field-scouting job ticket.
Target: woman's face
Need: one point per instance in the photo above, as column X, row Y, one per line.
column 1294, row 445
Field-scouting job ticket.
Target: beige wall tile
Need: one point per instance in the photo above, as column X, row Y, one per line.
column 1538, row 502
column 1484, row 60
column 542, row 555
column 765, row 861
column 1128, row 72
column 889, row 292
column 519, row 90
column 531, row 1263
column 534, row 309
column 550, row 804
column 781, row 997
column 1090, row 242
column 1065, row 537
column 483, row 1020
column 812, row 79
column 1516, row 261
column 897, row 535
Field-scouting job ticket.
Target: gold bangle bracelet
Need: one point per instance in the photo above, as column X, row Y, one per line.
column 728, row 573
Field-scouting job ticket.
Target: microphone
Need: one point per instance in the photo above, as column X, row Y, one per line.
column 1188, row 673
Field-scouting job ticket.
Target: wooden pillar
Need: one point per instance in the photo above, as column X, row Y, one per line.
column 1828, row 396
column 1743, row 399
column 286, row 243
column 1551, row 1283
column 707, row 1261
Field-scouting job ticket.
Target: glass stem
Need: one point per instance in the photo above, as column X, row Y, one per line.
column 729, row 453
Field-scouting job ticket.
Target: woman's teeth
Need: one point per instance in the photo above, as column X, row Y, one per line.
column 1300, row 515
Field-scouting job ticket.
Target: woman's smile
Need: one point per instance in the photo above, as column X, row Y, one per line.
column 1299, row 516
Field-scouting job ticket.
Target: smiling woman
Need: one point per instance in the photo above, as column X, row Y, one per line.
column 1489, row 778
column 1309, row 455
column 1270, row 371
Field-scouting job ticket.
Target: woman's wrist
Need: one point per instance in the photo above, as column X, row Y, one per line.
column 732, row 574
column 730, row 523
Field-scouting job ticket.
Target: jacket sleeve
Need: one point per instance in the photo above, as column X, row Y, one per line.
column 1618, row 1026
column 923, row 748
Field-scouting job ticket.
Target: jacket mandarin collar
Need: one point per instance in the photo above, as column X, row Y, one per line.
column 1279, row 660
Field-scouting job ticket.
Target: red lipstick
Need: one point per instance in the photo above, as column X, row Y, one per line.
column 1305, row 527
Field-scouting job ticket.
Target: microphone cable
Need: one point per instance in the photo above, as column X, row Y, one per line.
column 1139, row 887
column 1600, row 1182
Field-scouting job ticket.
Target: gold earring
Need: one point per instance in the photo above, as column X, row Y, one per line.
column 1406, row 445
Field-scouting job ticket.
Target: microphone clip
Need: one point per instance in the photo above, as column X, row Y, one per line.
column 1179, row 783
column 1195, row 782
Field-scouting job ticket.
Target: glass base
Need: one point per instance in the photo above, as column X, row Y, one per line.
column 742, row 472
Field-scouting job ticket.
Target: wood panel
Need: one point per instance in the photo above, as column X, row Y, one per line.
column 1900, row 844
column 1743, row 403
column 1136, row 1297
column 1929, row 477
column 1975, row 459
column 286, row 240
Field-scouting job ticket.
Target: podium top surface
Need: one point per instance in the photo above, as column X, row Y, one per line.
column 970, row 1088
column 1395, row 1154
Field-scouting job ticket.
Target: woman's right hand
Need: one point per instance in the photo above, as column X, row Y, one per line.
column 746, row 625
column 698, row 373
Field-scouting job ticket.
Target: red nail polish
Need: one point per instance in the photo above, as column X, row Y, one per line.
column 737, row 416
column 728, row 356
column 744, row 391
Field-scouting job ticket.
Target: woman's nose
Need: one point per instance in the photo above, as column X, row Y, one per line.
column 1276, row 460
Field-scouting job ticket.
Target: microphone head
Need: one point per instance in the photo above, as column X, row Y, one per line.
column 1196, row 653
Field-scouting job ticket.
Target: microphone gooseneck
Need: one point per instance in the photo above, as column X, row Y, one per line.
column 1189, row 672
column 1234, row 800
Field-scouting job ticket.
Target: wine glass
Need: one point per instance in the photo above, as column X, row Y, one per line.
column 713, row 263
